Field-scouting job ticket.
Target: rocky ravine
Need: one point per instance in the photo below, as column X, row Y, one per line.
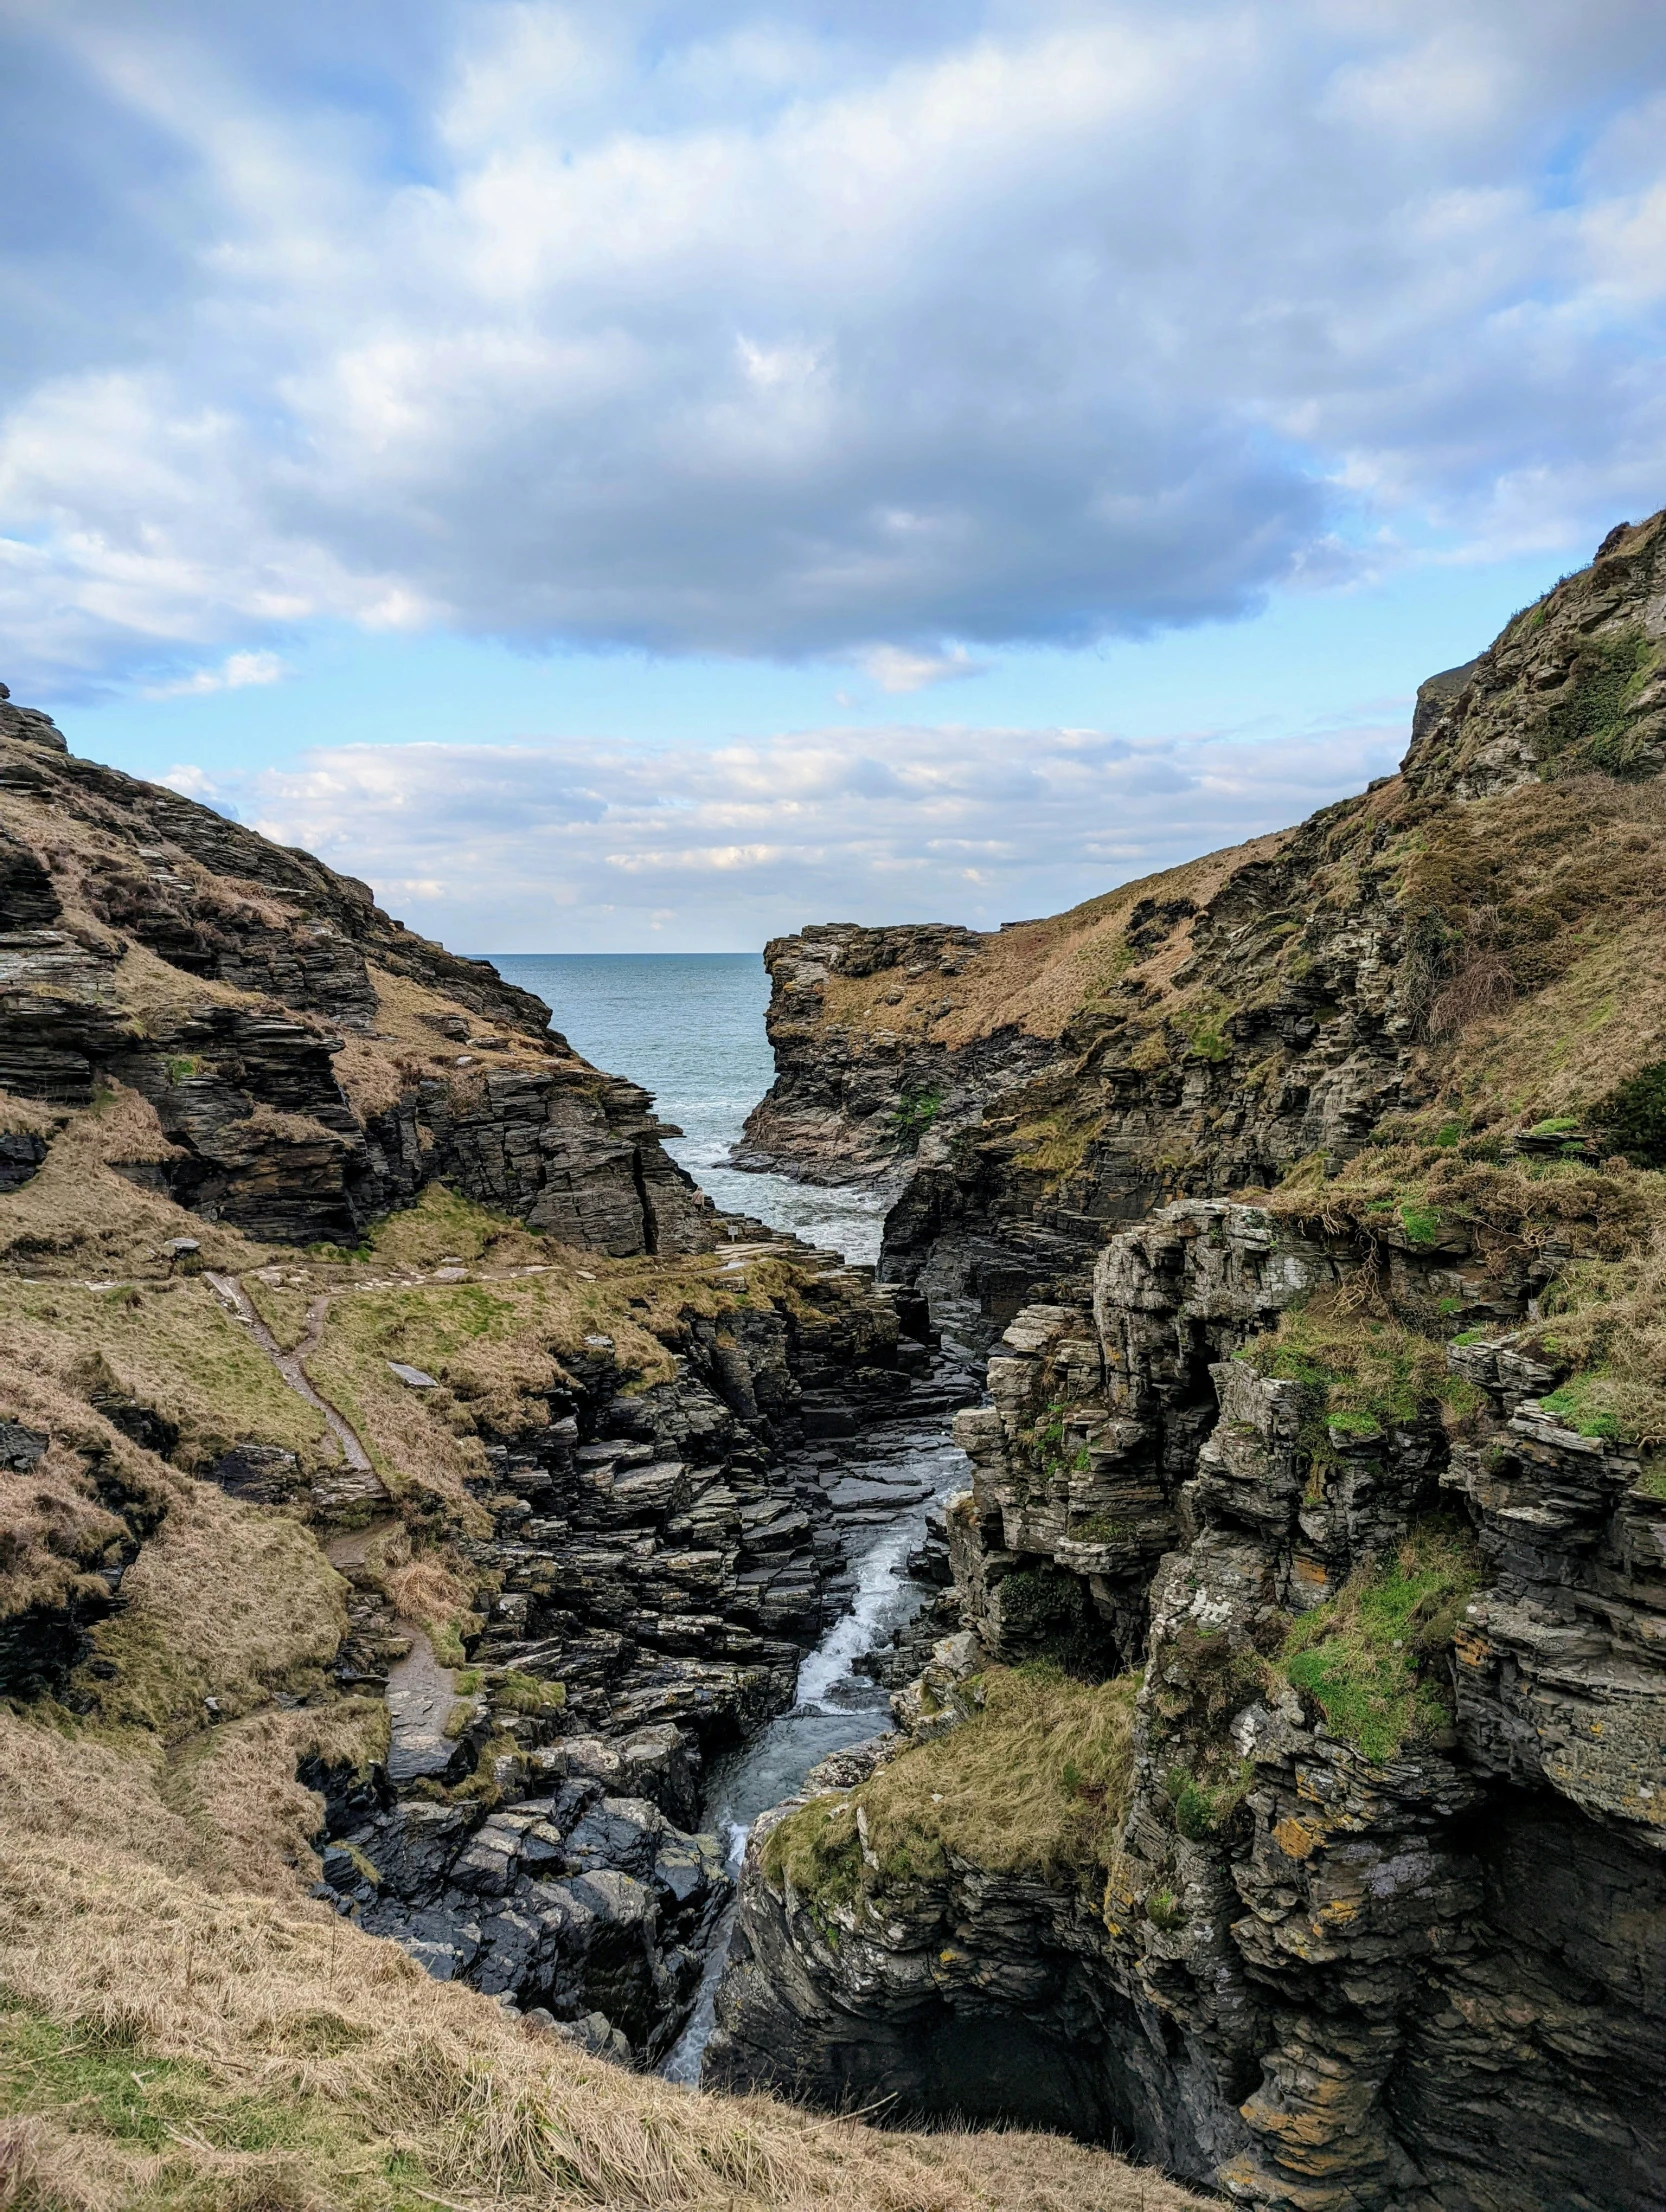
column 319, row 1246
column 1385, row 1546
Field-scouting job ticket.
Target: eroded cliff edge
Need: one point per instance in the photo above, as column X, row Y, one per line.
column 1313, row 1580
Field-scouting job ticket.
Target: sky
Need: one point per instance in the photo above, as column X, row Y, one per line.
column 648, row 474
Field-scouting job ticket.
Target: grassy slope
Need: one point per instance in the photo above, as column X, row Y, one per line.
column 180, row 2026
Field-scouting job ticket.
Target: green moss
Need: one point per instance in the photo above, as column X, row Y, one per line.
column 1164, row 1911
column 1368, row 1657
column 917, row 1107
column 1591, row 725
column 1203, row 1025
column 1420, row 1221
column 182, row 1068
column 1202, row 1809
column 525, row 1693
column 1098, row 1528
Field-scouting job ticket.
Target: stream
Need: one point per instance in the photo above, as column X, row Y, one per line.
column 881, row 1488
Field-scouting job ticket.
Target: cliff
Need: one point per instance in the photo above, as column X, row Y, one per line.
column 1319, row 1491
column 407, row 1480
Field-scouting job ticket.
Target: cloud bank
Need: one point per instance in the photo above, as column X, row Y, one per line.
column 773, row 330
column 539, row 847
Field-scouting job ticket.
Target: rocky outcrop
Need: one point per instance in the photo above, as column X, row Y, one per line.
column 272, row 968
column 1385, row 1927
column 1207, row 1030
column 1322, row 1975
column 658, row 1561
column 861, row 1101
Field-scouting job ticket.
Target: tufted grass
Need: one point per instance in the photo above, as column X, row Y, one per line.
column 1366, row 1657
column 1036, row 1782
column 1360, row 1374
column 174, row 2045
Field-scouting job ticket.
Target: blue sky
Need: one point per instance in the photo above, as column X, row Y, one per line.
column 656, row 474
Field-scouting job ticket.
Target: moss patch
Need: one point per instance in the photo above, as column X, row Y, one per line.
column 1368, row 1659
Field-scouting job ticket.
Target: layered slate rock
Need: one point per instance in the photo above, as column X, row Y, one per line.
column 1035, row 1089
column 660, row 1560
column 1427, row 1980
column 100, row 872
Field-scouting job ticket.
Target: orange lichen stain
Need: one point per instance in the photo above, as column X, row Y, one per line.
column 1310, row 1572
column 1295, row 1838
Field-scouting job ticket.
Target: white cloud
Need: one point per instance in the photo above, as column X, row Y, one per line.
column 235, row 673
column 558, row 845
column 895, row 669
column 192, row 782
column 710, row 329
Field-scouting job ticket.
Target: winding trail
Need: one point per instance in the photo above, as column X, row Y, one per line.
column 291, row 1365
column 420, row 1692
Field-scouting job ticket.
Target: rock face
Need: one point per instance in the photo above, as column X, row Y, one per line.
column 1207, row 1030
column 311, row 1062
column 1386, row 1927
column 1427, row 1980
column 560, row 1598
column 855, row 1103
column 660, row 1559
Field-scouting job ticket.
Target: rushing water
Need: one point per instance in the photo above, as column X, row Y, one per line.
column 690, row 1028
column 834, row 1705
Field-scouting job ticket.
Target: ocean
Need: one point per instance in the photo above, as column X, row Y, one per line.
column 689, row 1027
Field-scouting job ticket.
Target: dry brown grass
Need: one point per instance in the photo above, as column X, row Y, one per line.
column 1037, row 976
column 1037, row 1782
column 236, row 1785
column 227, row 1601
column 272, row 2007
column 75, row 1215
column 172, row 1346
column 54, row 1528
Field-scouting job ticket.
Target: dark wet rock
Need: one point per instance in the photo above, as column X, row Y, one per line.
column 261, row 1474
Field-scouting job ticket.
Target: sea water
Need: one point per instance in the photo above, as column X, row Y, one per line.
column 689, row 1027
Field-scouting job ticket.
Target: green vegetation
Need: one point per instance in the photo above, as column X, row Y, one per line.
column 1360, row 1377
column 1203, row 1025
column 1590, row 728
column 1038, row 1780
column 1632, row 1118
column 119, row 2094
column 1200, row 1808
column 917, row 1107
column 1421, row 1222
column 1366, row 1657
column 1165, row 1911
column 1046, row 1612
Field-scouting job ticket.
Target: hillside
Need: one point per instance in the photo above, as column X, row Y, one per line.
column 398, row 1502
column 1312, row 1576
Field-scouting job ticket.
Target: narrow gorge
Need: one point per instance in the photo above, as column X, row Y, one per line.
column 1170, row 1659
column 431, row 1529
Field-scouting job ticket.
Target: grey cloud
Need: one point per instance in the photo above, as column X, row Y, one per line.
column 706, row 328
column 484, row 845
